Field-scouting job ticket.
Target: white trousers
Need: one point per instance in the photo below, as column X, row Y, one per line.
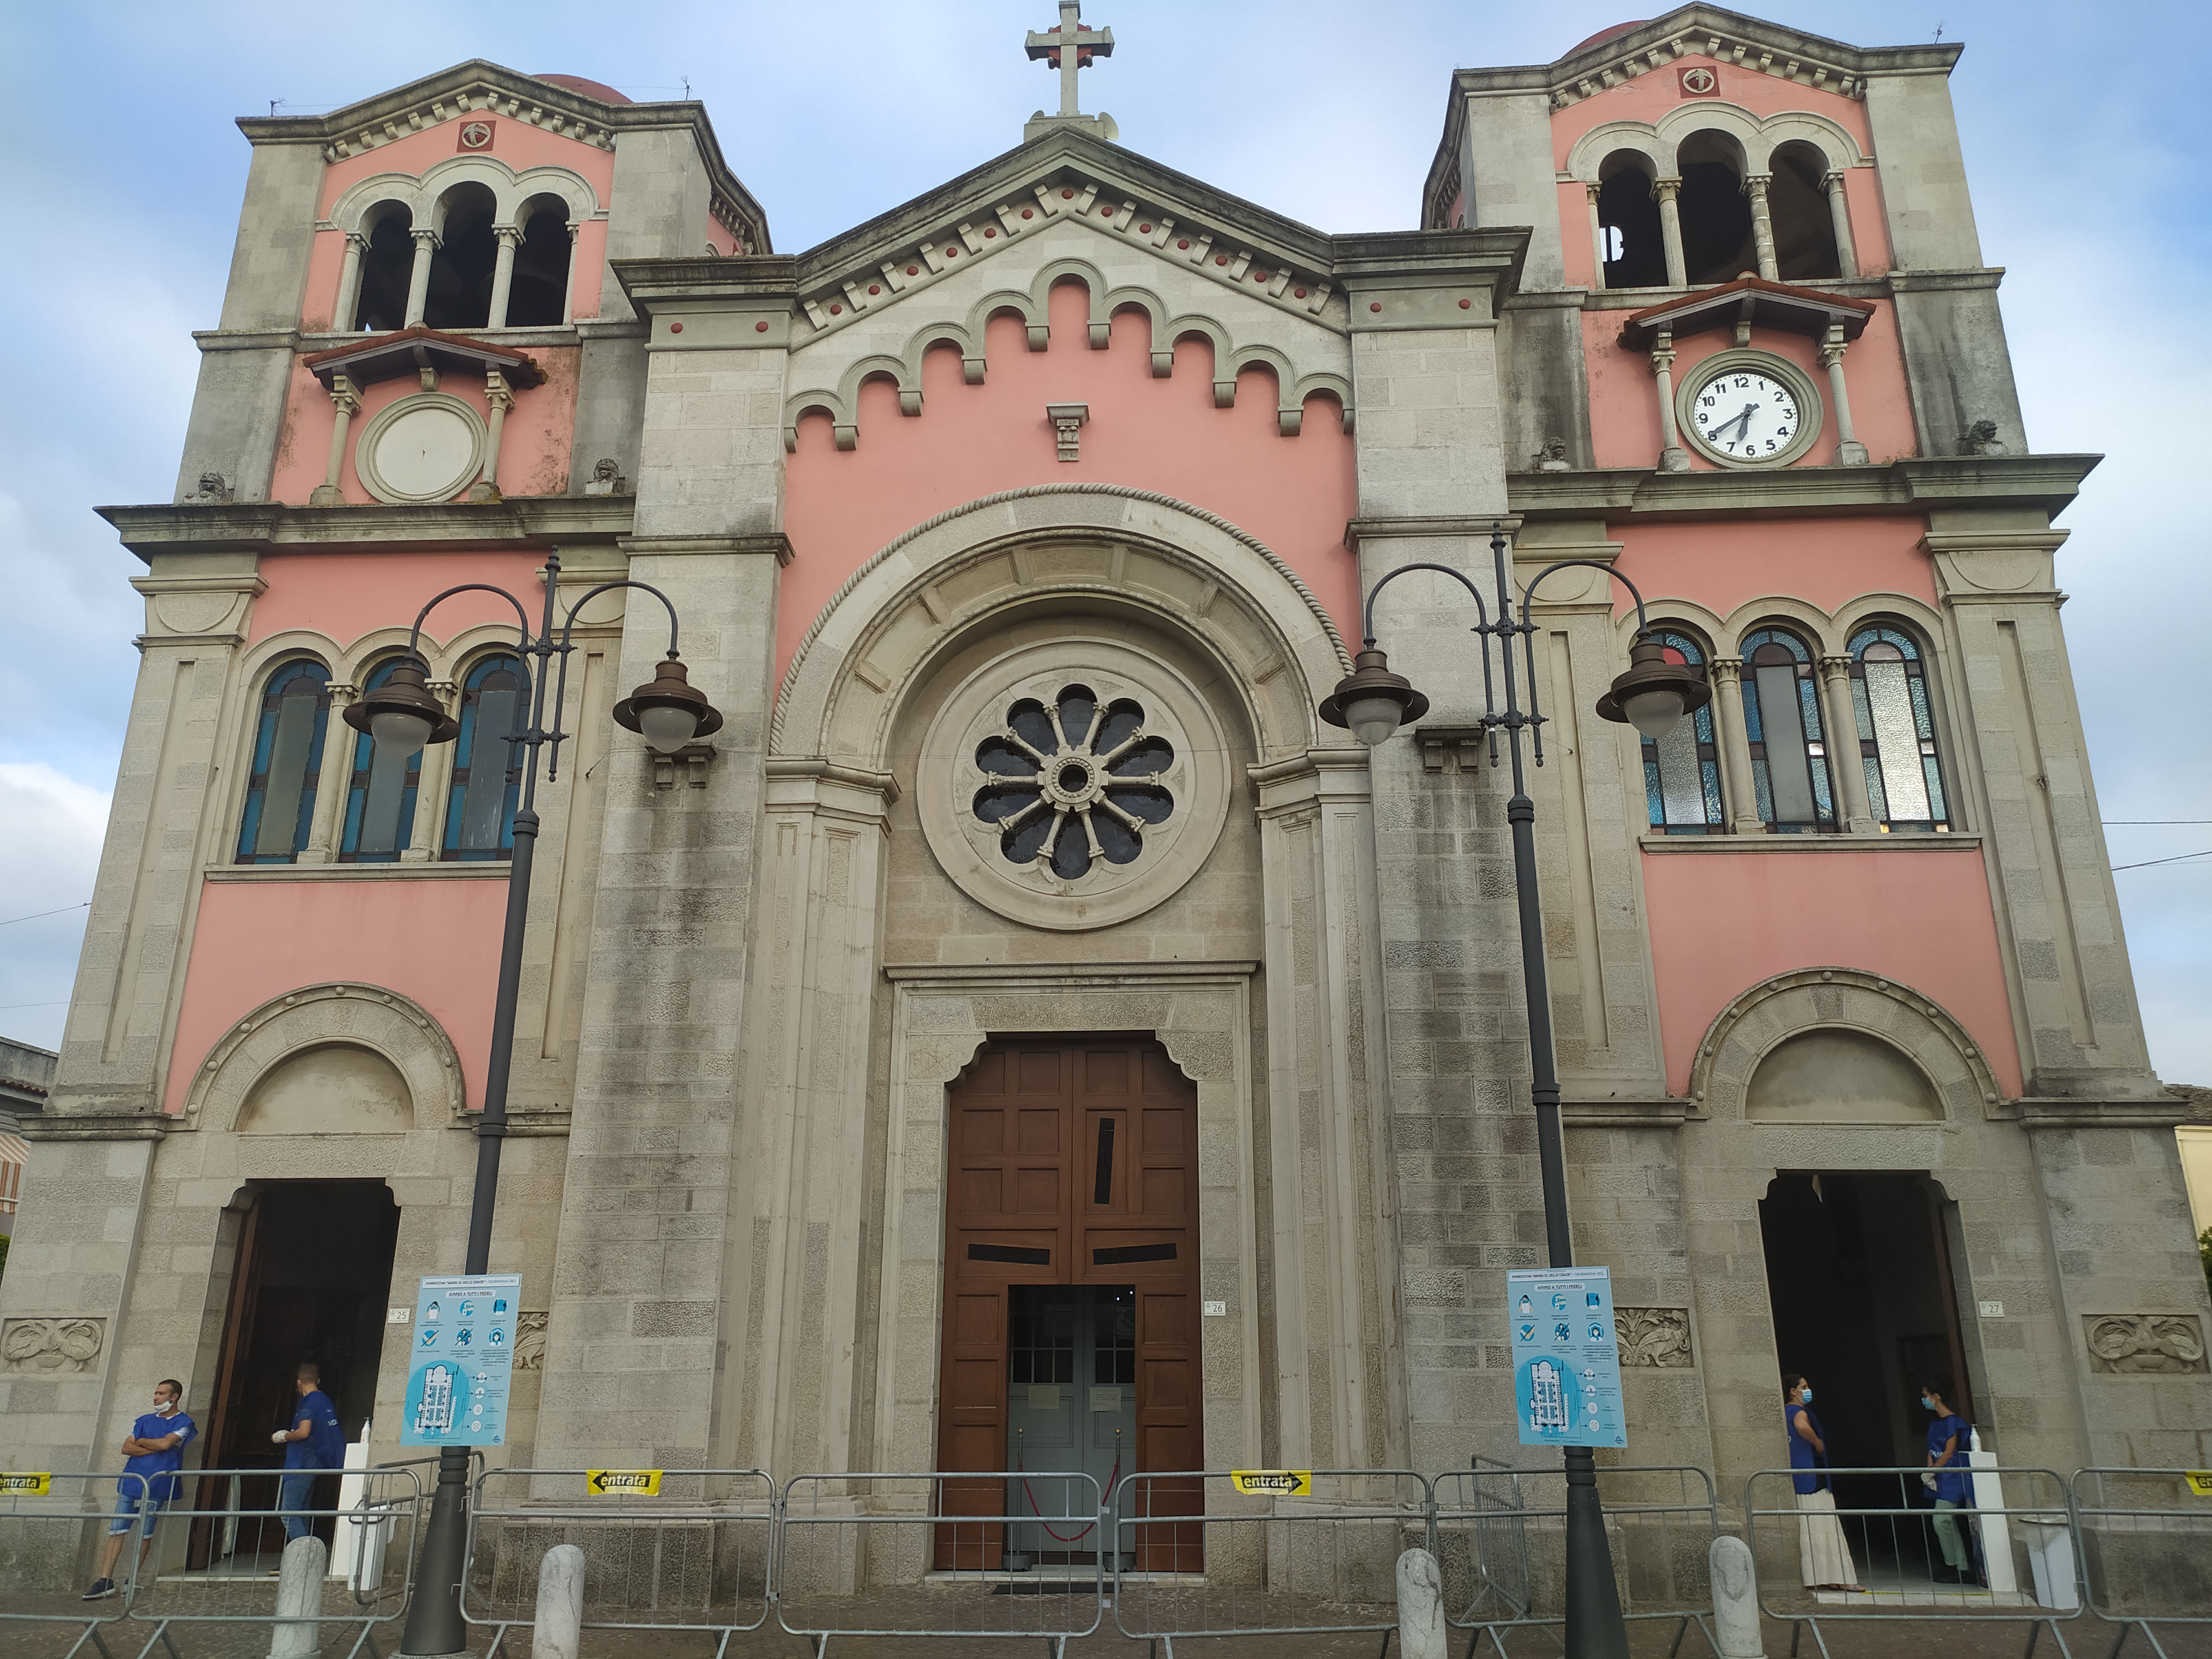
column 1824, row 1556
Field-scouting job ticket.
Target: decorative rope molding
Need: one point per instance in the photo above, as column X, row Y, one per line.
column 1148, row 497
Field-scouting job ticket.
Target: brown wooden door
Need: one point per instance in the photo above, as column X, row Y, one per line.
column 1071, row 1161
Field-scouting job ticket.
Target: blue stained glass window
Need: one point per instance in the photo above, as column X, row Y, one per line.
column 486, row 768
column 1682, row 770
column 1782, row 718
column 1897, row 730
column 379, row 819
column 287, row 765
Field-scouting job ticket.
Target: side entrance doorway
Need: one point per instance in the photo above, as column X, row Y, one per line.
column 309, row 1284
column 1071, row 1276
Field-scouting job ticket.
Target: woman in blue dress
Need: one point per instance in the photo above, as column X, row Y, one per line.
column 1824, row 1555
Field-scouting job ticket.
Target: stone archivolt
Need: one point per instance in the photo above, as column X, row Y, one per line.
column 364, row 1016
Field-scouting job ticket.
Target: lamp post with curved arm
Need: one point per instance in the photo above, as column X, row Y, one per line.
column 1652, row 695
column 400, row 717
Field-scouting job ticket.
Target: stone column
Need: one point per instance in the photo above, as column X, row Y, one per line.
column 644, row 1322
column 1849, row 452
column 569, row 288
column 418, row 278
column 333, row 781
column 434, row 782
column 1739, row 794
column 1762, row 224
column 1839, row 215
column 342, row 317
column 502, row 273
column 1673, row 458
column 486, row 489
column 345, row 397
column 1597, row 238
column 1841, row 717
column 1664, row 191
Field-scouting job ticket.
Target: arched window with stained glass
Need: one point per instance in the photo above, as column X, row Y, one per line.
column 379, row 816
column 288, row 762
column 1682, row 770
column 486, row 768
column 1782, row 718
column 1897, row 730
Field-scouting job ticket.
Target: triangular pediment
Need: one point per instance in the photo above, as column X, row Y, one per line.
column 1068, row 177
column 479, row 87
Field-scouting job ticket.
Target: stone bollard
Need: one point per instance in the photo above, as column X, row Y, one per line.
column 559, row 1632
column 1420, row 1607
column 299, row 1600
column 1736, row 1598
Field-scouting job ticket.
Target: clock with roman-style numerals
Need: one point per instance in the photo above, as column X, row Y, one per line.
column 1746, row 408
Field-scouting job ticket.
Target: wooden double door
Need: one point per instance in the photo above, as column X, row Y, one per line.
column 1072, row 1162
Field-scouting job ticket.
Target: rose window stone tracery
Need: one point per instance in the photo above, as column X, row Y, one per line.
column 1071, row 783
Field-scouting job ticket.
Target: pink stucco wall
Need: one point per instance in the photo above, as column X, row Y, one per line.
column 346, row 595
column 434, row 940
column 1624, row 397
column 534, row 443
column 1721, row 923
column 1294, row 493
column 1826, row 562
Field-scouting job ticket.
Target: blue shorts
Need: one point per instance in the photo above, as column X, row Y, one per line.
column 126, row 1513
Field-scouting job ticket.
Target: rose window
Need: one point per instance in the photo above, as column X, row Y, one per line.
column 1073, row 783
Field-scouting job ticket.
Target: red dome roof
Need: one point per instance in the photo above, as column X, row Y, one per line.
column 598, row 89
column 1602, row 35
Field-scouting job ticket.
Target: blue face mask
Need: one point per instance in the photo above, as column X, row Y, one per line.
column 1929, row 1403
column 1805, row 1395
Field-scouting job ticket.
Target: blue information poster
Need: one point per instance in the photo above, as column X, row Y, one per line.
column 461, row 1359
column 1566, row 1358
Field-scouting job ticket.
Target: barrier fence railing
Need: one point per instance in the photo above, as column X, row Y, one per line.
column 1501, row 1537
column 663, row 1550
column 229, row 1574
column 1215, row 1553
column 53, row 1527
column 2146, row 1541
column 1910, row 1559
column 844, row 1539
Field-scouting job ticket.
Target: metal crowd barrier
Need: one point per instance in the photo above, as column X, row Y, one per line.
column 2146, row 1543
column 244, row 1537
column 693, row 1554
column 1213, row 1553
column 1660, row 1522
column 1896, row 1545
column 52, row 1528
column 842, row 1538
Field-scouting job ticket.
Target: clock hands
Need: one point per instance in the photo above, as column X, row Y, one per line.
column 1742, row 423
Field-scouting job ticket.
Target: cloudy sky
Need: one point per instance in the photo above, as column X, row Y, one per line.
column 126, row 175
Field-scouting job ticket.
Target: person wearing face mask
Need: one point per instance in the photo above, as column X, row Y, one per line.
column 1948, row 1437
column 154, row 1450
column 1824, row 1555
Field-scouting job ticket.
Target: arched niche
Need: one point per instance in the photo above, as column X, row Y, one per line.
column 334, row 1088
column 1833, row 1074
column 262, row 1075
column 1849, row 1009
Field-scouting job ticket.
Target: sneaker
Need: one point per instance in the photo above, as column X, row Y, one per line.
column 101, row 1591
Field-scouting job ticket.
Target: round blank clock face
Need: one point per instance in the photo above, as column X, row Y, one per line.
column 1746, row 415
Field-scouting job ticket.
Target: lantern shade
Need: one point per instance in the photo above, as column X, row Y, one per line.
column 1371, row 703
column 1653, row 694
column 669, row 711
column 402, row 715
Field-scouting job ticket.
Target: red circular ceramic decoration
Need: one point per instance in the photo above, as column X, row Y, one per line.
column 1300, row 291
column 1464, row 304
column 1067, row 196
column 914, row 270
column 1375, row 305
column 988, row 233
column 836, row 311
column 875, row 288
column 760, row 328
column 1182, row 241
column 1145, row 230
column 952, row 254
column 1028, row 213
column 1221, row 259
column 675, row 328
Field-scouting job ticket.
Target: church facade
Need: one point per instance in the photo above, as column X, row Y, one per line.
column 1025, row 1021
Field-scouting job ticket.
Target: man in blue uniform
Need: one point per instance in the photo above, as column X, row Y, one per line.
column 313, row 1443
column 154, row 1450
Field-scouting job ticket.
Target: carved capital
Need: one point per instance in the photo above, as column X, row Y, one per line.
column 429, row 238
column 1726, row 671
column 508, row 235
column 1666, row 190
column 345, row 396
column 1754, row 186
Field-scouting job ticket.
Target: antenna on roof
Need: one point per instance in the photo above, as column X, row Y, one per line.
column 1939, row 31
column 687, row 86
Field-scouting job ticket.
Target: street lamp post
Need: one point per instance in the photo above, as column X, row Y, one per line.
column 1652, row 695
column 400, row 717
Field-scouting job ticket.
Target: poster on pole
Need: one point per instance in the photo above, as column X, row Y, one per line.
column 1566, row 1358
column 460, row 1360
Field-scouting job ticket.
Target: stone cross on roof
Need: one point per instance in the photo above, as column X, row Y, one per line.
column 1089, row 43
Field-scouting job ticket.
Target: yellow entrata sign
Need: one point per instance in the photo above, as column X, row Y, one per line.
column 2200, row 1481
column 636, row 1483
column 1274, row 1483
column 40, row 1484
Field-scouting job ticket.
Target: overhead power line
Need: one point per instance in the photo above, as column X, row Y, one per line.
column 2178, row 858
column 65, row 910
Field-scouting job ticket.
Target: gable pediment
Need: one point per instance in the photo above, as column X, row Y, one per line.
column 1066, row 178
